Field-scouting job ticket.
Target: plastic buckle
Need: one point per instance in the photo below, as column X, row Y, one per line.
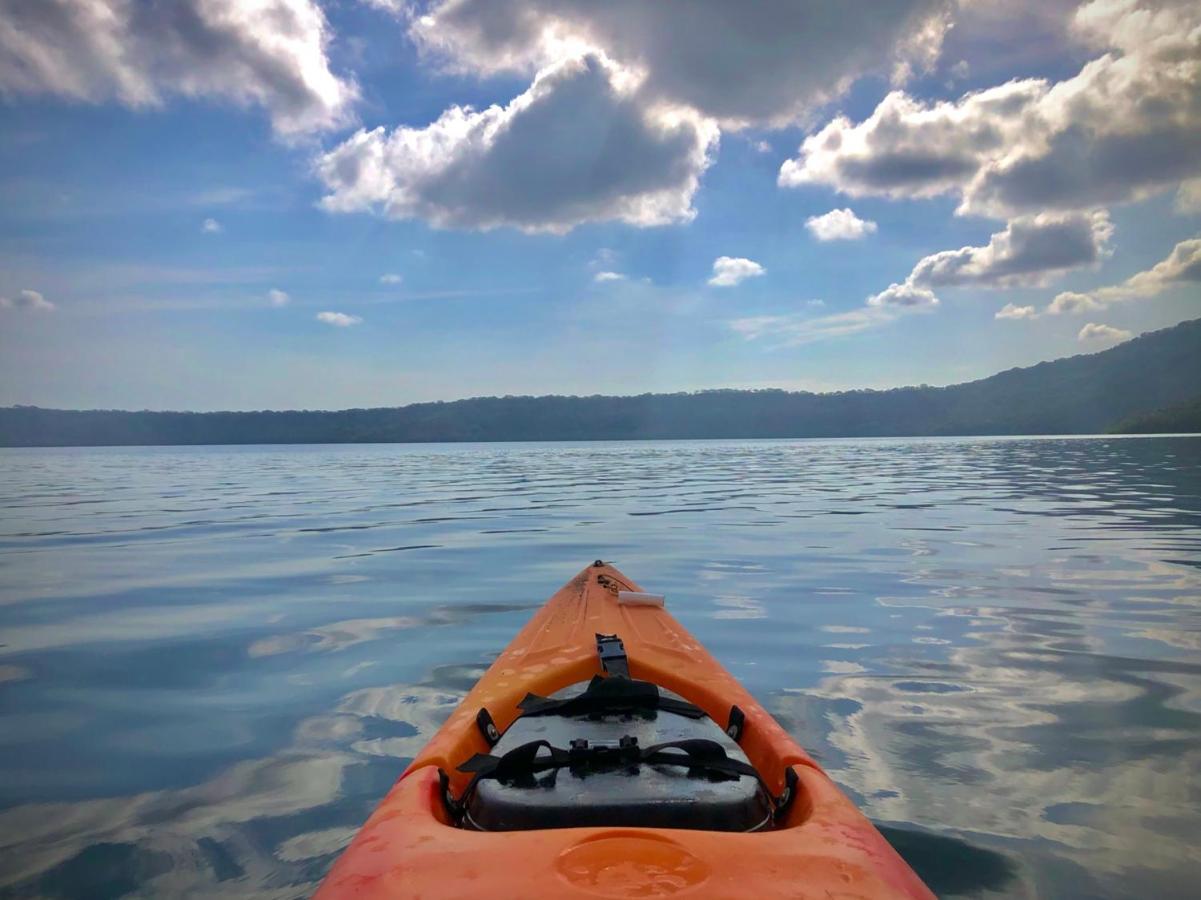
column 612, row 653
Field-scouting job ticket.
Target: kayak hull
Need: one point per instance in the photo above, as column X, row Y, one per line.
column 822, row 847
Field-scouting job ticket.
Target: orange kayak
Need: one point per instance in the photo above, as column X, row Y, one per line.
column 605, row 753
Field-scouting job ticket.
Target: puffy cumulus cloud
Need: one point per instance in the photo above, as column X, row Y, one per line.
column 276, row 297
column 763, row 63
column 909, row 149
column 578, row 146
column 338, row 319
column 1093, row 333
column 210, row 226
column 1182, row 266
column 1028, row 251
column 1012, row 311
column 269, row 53
column 905, row 295
column 601, row 277
column 839, row 225
column 28, row 301
column 390, row 278
column 730, row 270
column 1123, row 128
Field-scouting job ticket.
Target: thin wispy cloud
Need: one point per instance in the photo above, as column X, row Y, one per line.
column 390, row 279
column 278, row 298
column 797, row 330
column 210, row 226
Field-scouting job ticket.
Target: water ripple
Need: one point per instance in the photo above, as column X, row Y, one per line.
column 214, row 661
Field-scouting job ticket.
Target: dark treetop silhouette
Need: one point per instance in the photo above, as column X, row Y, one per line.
column 1110, row 390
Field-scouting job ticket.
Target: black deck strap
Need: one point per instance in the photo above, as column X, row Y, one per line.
column 483, row 721
column 527, row 759
column 736, row 724
column 612, row 653
column 454, row 808
column 792, row 785
column 521, row 760
column 607, row 696
column 699, row 753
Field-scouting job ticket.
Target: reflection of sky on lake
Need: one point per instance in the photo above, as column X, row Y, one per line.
column 214, row 661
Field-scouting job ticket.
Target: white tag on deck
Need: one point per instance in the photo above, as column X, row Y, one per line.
column 638, row 598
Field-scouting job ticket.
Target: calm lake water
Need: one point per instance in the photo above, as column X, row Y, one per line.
column 214, row 661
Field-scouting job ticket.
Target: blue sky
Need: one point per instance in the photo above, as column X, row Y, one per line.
column 432, row 192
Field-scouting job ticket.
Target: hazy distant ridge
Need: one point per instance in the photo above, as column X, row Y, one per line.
column 1081, row 394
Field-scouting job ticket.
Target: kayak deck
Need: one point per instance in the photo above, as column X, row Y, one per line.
column 415, row 845
column 616, row 788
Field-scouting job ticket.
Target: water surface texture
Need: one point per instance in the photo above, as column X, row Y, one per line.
column 215, row 661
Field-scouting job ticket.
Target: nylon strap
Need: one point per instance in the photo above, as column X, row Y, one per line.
column 526, row 759
column 606, row 696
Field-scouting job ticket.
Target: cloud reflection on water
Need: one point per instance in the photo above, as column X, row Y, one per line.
column 215, row 658
column 251, row 824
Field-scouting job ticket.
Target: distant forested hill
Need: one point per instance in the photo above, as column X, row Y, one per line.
column 1183, row 418
column 1081, row 394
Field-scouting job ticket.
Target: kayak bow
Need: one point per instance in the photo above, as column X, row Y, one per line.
column 605, row 753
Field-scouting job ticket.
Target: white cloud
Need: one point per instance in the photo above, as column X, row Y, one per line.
column 1122, row 128
column 608, row 276
column 765, row 62
column 795, row 330
column 1029, row 251
column 390, row 278
column 276, row 297
column 210, row 226
column 1102, row 334
column 839, row 225
column 395, row 7
column 1182, row 266
column 730, row 270
column 30, row 301
column 580, row 145
column 908, row 149
column 906, row 295
column 1188, row 197
column 604, row 258
column 267, row 53
column 338, row 319
column 1011, row 311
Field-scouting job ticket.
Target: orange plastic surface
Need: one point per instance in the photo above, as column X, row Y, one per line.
column 824, row 847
